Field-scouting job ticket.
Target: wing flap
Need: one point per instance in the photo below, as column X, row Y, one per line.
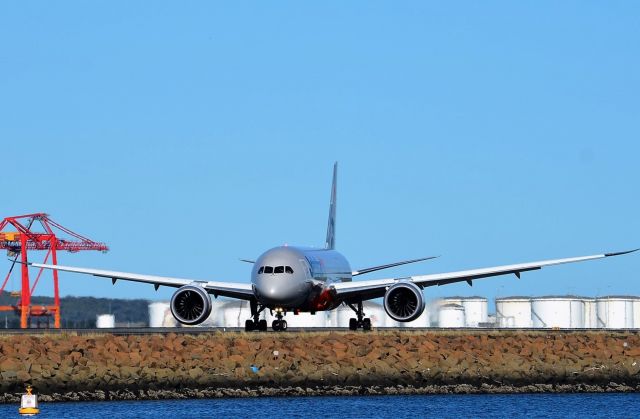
column 226, row 289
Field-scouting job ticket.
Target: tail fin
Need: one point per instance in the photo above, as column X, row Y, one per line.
column 331, row 225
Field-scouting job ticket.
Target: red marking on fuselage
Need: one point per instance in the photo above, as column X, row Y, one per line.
column 323, row 300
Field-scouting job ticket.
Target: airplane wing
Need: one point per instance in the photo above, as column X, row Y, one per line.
column 225, row 289
column 366, row 290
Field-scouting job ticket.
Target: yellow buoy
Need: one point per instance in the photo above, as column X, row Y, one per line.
column 29, row 403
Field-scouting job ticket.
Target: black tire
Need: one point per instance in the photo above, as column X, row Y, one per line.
column 249, row 326
column 366, row 324
column 353, row 324
column 283, row 325
column 275, row 325
column 262, row 325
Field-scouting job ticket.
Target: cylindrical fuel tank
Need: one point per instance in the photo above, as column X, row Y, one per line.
column 513, row 312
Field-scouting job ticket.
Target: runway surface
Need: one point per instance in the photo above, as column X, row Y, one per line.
column 291, row 330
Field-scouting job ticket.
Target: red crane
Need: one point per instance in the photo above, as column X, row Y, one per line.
column 24, row 238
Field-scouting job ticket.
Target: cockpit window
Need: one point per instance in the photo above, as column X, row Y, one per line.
column 276, row 270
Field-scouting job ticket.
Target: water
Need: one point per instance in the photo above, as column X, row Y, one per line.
column 445, row 406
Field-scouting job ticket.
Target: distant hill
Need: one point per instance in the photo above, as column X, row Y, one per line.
column 82, row 311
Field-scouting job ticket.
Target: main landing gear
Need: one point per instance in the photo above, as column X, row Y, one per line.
column 361, row 321
column 255, row 323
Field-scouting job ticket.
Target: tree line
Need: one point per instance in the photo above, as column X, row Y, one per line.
column 81, row 312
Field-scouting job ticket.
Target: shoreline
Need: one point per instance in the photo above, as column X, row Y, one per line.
column 136, row 367
column 334, row 390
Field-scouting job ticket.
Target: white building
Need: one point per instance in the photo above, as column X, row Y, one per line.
column 105, row 321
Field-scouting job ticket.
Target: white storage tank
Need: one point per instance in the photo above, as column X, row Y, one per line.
column 341, row 316
column 451, row 315
column 475, row 311
column 105, row 321
column 216, row 317
column 513, row 312
column 376, row 313
column 451, row 300
column 303, row 319
column 436, row 304
column 636, row 312
column 389, row 322
column 551, row 311
column 615, row 312
column 235, row 313
column 590, row 313
column 160, row 315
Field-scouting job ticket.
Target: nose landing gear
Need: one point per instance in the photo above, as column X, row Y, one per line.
column 361, row 321
column 279, row 325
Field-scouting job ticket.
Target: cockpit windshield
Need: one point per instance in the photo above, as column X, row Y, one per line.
column 276, row 270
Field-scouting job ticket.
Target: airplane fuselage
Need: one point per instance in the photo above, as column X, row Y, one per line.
column 298, row 278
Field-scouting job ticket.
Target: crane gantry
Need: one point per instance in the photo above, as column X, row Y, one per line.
column 38, row 232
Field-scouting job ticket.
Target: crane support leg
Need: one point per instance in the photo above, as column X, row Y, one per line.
column 56, row 290
column 25, row 300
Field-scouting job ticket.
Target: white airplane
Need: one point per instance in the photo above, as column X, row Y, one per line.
column 298, row 279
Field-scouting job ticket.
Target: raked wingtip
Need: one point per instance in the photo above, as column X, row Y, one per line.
column 621, row 253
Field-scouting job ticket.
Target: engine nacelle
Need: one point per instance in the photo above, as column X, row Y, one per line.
column 404, row 302
column 191, row 304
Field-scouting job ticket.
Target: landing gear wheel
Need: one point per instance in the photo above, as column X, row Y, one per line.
column 353, row 324
column 276, row 325
column 255, row 323
column 283, row 325
column 361, row 321
column 366, row 324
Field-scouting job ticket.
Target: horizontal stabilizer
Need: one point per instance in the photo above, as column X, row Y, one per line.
column 389, row 265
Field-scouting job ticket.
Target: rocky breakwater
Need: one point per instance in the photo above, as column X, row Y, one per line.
column 63, row 367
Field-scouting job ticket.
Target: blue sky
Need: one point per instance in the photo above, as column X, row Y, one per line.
column 187, row 136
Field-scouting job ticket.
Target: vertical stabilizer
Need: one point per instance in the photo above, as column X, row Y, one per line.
column 331, row 225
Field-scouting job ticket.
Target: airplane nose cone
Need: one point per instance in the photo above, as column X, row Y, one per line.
column 281, row 291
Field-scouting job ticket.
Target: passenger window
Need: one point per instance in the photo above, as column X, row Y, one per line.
column 279, row 270
column 268, row 269
column 288, row 269
column 261, row 270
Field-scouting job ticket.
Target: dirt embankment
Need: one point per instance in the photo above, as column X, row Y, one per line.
column 157, row 366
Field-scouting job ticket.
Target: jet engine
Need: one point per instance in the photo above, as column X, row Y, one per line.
column 191, row 304
column 404, row 302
